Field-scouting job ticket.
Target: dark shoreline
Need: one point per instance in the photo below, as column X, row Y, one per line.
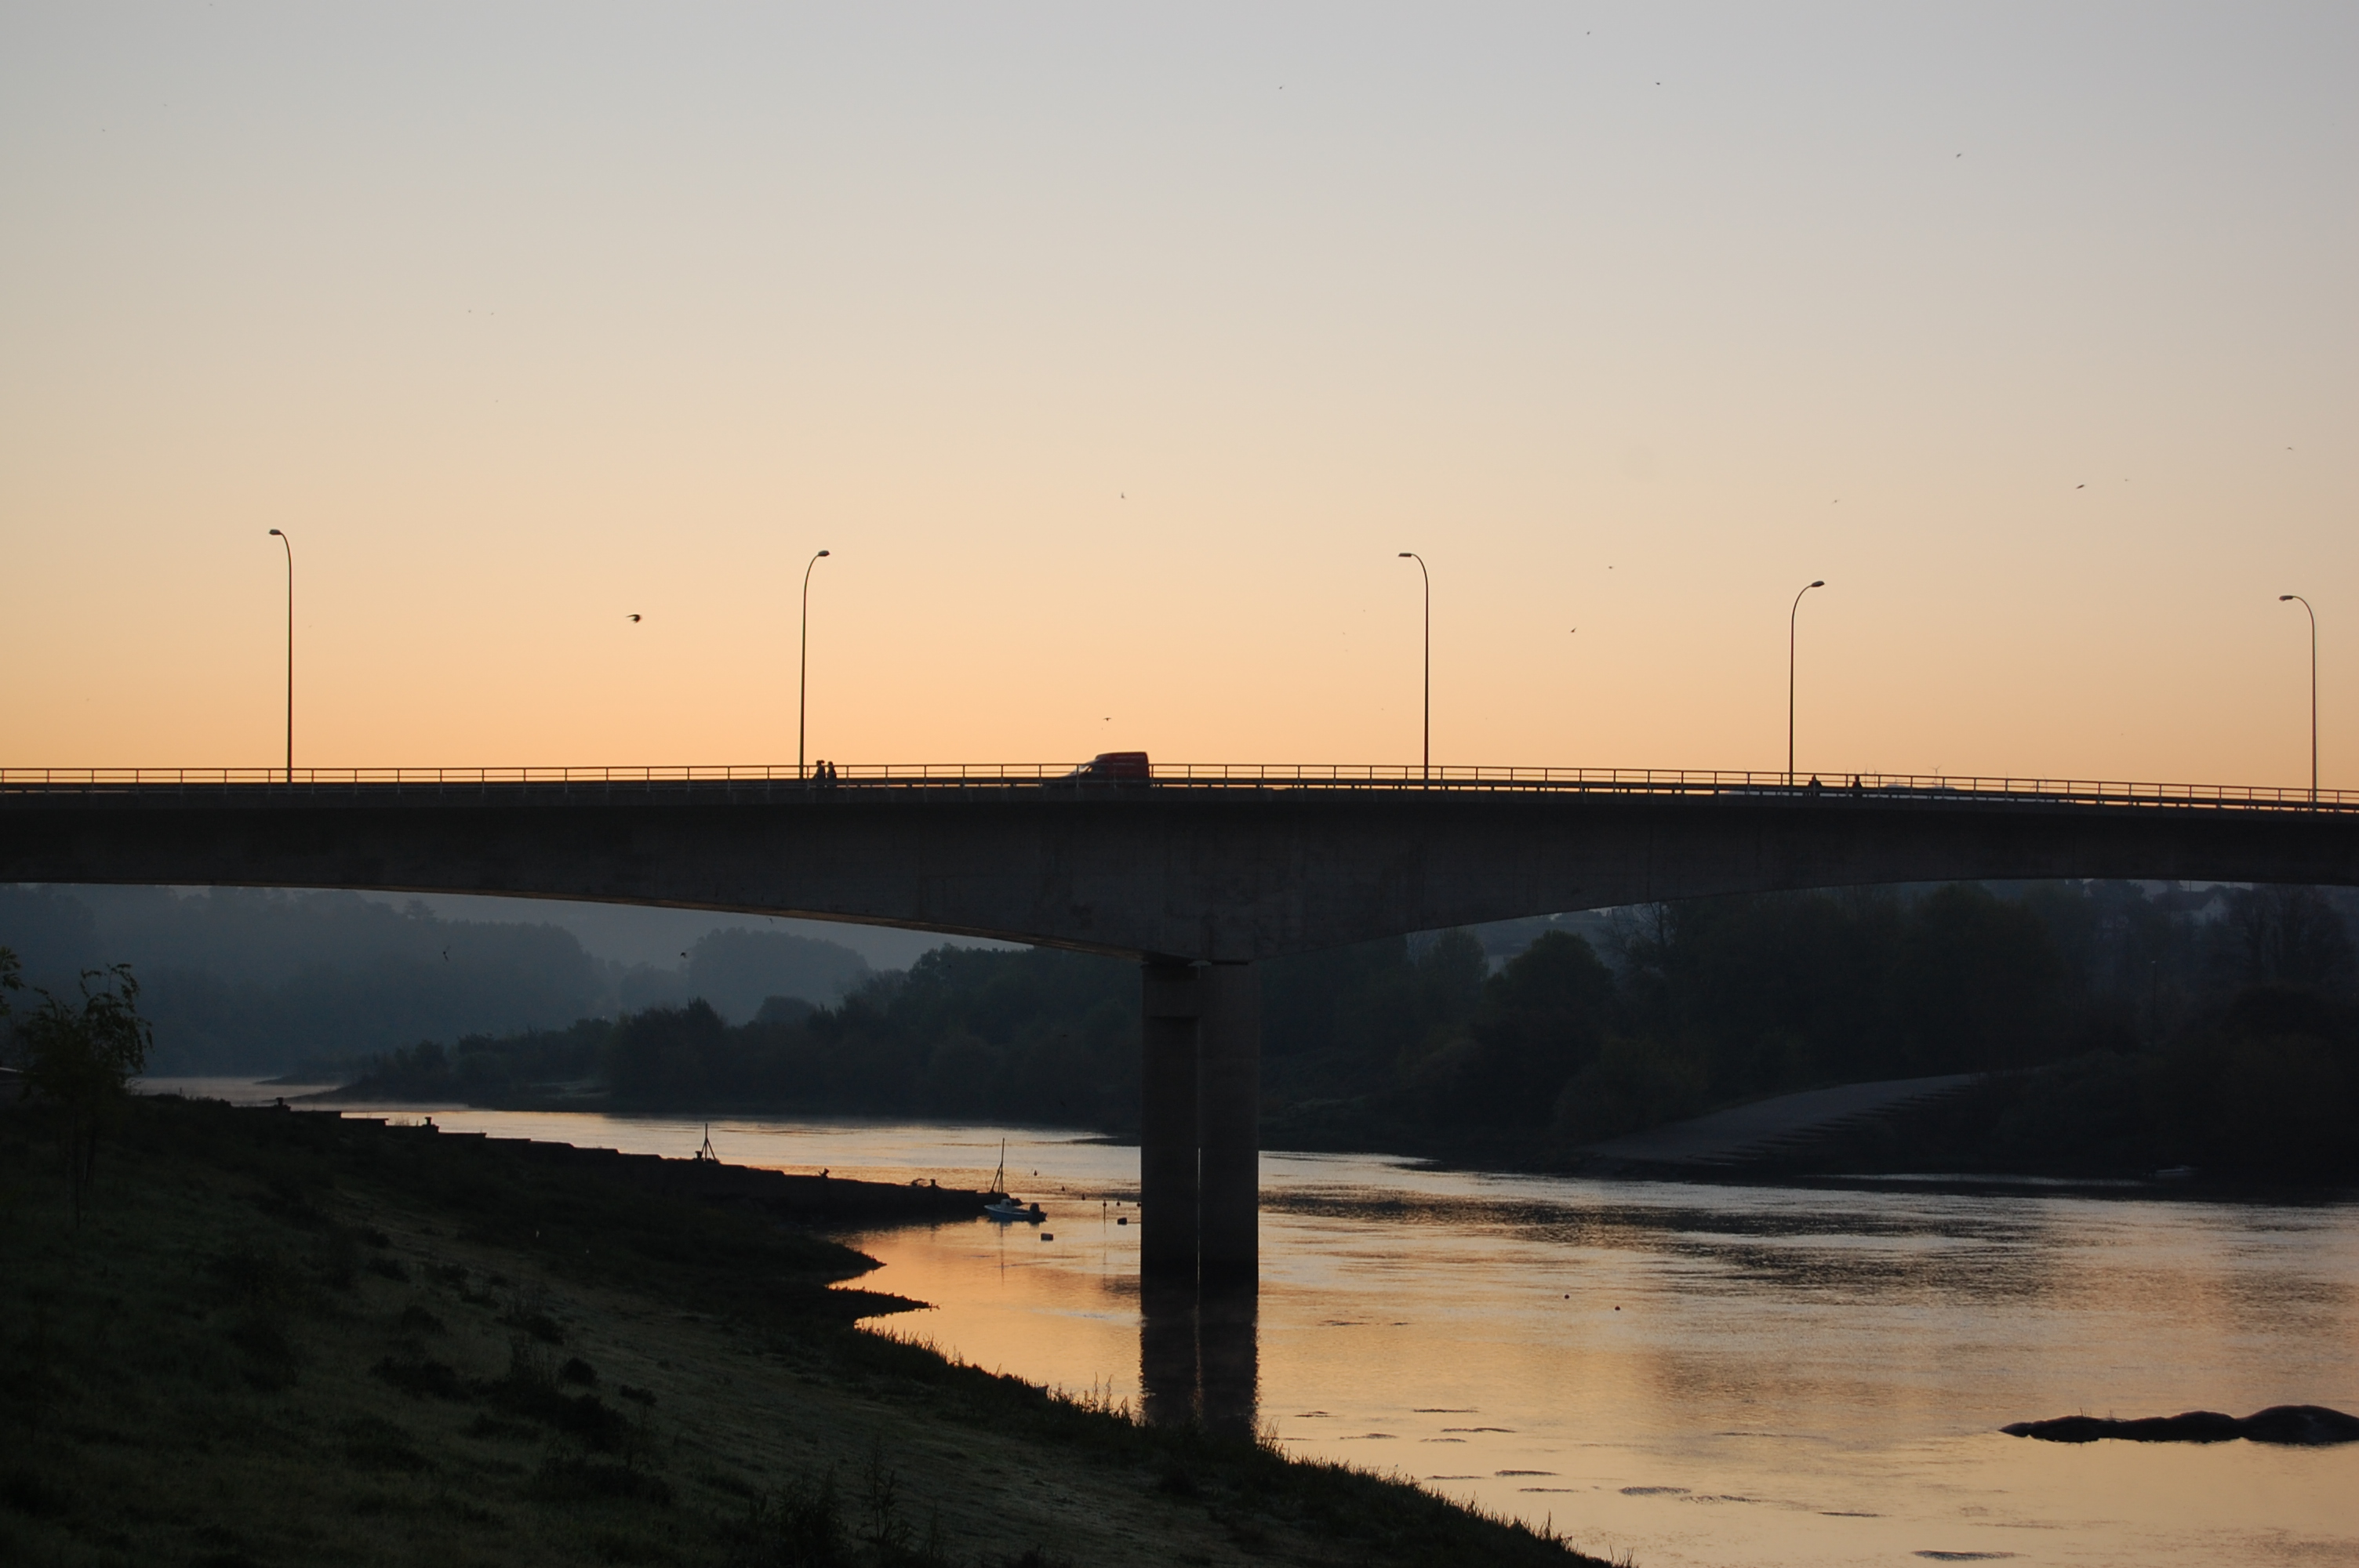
column 288, row 1338
column 1505, row 1157
column 817, row 1201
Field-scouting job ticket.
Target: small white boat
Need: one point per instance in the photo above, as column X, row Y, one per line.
column 1008, row 1210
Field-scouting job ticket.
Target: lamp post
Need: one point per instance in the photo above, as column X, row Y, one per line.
column 1425, row 768
column 802, row 692
column 289, row 548
column 1790, row 616
column 2298, row 599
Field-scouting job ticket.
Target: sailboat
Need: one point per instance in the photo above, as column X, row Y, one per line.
column 1002, row 1208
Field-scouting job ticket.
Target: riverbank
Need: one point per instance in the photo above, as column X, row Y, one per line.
column 1958, row 1133
column 281, row 1338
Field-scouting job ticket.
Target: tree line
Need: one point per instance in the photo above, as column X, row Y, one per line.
column 255, row 981
column 2175, row 1003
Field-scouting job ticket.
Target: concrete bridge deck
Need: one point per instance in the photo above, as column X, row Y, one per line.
column 1224, row 864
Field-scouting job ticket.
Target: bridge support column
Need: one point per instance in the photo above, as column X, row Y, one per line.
column 1228, row 1120
column 1200, row 1194
column 1168, row 1178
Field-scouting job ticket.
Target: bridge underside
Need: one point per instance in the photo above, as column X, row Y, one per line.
column 1198, row 884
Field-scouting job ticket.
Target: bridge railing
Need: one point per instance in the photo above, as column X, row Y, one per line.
column 770, row 779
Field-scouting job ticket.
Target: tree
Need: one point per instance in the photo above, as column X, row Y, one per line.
column 2286, row 936
column 1979, row 982
column 82, row 1060
column 666, row 1057
column 1540, row 1021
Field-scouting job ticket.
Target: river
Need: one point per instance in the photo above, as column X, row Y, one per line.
column 1685, row 1374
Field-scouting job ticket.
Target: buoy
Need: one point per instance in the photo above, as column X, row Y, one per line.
column 1046, row 1237
column 1125, row 1220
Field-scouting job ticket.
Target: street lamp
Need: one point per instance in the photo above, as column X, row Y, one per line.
column 2313, row 689
column 1790, row 616
column 802, row 694
column 1425, row 770
column 289, row 548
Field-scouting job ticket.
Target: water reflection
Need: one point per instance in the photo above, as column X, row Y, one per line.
column 1167, row 1384
column 1199, row 1353
column 1228, row 1339
column 1687, row 1374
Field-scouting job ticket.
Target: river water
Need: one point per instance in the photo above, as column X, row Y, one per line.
column 1683, row 1373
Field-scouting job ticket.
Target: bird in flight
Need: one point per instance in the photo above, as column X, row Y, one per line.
column 635, row 618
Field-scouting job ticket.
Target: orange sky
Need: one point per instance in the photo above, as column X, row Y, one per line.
column 1116, row 357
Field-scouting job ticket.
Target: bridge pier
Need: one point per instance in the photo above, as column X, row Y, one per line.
column 1228, row 1125
column 1168, row 1169
column 1200, row 1193
column 1200, row 1114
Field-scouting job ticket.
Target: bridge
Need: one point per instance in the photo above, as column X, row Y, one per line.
column 1196, row 872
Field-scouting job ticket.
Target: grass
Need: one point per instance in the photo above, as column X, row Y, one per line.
column 277, row 1338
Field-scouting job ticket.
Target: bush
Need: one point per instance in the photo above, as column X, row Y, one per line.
column 571, row 1480
column 81, row 1060
column 1629, row 1084
column 422, row 1379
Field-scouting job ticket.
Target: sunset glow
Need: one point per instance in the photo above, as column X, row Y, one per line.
column 1117, row 358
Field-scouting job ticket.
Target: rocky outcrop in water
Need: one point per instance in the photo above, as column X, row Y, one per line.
column 2304, row 1424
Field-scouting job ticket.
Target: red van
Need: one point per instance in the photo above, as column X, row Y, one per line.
column 1115, row 767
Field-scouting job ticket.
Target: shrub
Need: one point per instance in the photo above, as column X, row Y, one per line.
column 571, row 1480
column 416, row 1319
column 373, row 1443
column 82, row 1061
column 422, row 1379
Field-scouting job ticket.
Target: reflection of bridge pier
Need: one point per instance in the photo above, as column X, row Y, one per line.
column 1200, row 1192
column 1199, row 1353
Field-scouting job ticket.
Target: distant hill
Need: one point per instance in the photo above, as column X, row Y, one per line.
column 241, row 980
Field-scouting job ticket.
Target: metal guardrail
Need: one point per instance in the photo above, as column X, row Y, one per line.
column 44, row 782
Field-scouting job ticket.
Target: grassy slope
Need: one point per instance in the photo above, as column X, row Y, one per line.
column 277, row 1338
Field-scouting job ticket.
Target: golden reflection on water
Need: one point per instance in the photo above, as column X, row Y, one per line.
column 1694, row 1375
column 1732, row 1376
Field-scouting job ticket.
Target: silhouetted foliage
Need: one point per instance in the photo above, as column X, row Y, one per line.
column 1537, row 1023
column 259, row 980
column 2285, row 937
column 2265, row 1085
column 80, row 1059
column 1425, row 1044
